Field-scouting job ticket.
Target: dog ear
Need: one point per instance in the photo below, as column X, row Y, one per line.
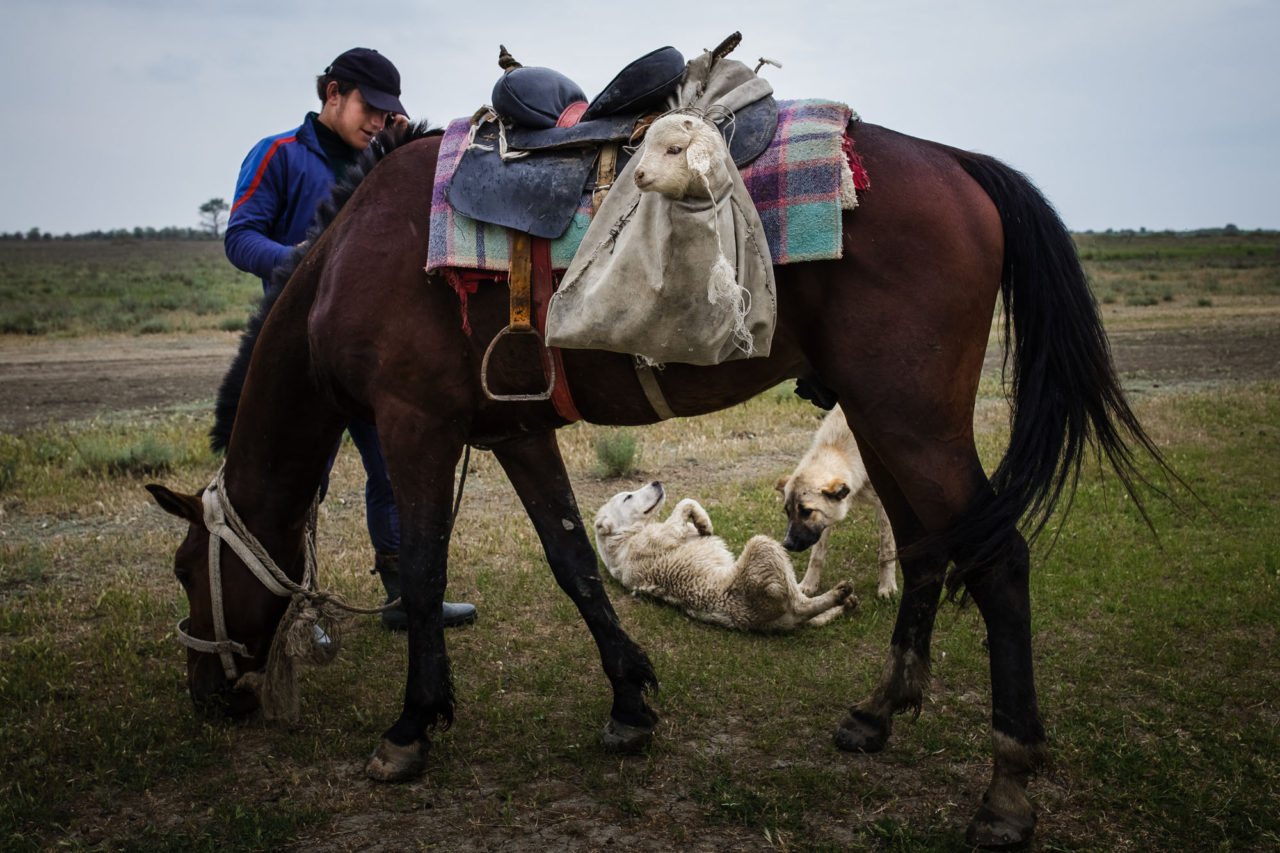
column 781, row 485
column 703, row 148
column 836, row 490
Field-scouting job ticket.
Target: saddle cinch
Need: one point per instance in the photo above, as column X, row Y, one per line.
column 531, row 158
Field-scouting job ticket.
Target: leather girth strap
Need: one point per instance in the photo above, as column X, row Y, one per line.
column 652, row 390
column 543, row 284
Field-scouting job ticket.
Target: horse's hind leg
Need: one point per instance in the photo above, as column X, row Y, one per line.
column 536, row 470
column 1000, row 589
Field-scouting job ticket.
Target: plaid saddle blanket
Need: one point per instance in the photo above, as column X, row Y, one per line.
column 796, row 185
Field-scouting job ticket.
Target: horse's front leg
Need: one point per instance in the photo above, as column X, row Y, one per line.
column 1001, row 592
column 422, row 477
column 536, row 470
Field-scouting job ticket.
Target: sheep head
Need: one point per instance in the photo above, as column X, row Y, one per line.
column 683, row 156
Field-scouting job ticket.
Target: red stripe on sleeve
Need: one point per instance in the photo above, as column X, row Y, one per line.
column 262, row 168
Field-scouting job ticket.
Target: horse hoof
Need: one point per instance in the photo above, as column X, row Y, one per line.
column 393, row 763
column 861, row 732
column 621, row 737
column 994, row 831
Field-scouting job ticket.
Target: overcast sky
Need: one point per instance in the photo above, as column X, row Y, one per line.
column 1127, row 113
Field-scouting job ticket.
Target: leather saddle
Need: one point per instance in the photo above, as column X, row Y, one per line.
column 531, row 158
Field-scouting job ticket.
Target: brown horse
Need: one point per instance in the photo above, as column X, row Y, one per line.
column 896, row 330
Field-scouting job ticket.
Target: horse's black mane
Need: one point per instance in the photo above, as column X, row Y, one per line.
column 224, row 414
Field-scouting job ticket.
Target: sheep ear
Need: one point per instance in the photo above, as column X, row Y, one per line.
column 781, row 485
column 701, row 151
column 603, row 526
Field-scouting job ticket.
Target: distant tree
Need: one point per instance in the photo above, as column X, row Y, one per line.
column 33, row 234
column 1231, row 229
column 211, row 213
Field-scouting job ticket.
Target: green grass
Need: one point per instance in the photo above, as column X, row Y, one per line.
column 1156, row 665
column 78, row 287
column 1143, row 270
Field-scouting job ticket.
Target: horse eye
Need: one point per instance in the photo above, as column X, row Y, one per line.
column 674, row 149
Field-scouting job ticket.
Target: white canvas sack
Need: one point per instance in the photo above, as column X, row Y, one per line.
column 684, row 280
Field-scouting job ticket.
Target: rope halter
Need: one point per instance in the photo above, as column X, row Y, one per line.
column 307, row 604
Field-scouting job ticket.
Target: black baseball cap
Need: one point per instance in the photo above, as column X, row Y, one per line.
column 374, row 75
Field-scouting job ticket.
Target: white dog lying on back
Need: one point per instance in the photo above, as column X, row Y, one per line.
column 682, row 563
column 829, row 478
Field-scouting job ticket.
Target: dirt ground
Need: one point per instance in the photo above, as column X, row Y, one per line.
column 46, row 380
column 50, row 380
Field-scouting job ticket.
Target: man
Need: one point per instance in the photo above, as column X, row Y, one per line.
column 282, row 182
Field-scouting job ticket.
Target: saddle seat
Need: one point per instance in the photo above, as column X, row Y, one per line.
column 545, row 109
column 528, row 169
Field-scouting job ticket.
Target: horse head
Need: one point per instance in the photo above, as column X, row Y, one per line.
column 249, row 612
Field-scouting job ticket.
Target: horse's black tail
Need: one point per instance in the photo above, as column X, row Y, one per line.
column 1064, row 392
column 228, row 400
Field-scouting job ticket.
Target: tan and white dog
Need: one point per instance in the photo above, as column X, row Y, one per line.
column 681, row 562
column 817, row 496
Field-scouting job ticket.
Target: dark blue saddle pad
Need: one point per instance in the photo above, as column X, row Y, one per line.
column 539, row 193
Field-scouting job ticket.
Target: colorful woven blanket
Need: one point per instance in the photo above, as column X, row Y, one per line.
column 795, row 185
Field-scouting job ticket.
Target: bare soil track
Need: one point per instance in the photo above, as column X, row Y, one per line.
column 50, row 380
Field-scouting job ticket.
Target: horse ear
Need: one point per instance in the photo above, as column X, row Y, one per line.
column 186, row 507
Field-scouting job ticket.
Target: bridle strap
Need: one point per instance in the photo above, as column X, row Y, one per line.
column 215, row 602
column 208, row 646
column 224, row 525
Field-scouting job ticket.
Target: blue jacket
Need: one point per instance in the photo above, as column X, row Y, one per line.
column 281, row 183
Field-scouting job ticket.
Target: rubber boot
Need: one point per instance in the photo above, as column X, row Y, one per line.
column 386, row 565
